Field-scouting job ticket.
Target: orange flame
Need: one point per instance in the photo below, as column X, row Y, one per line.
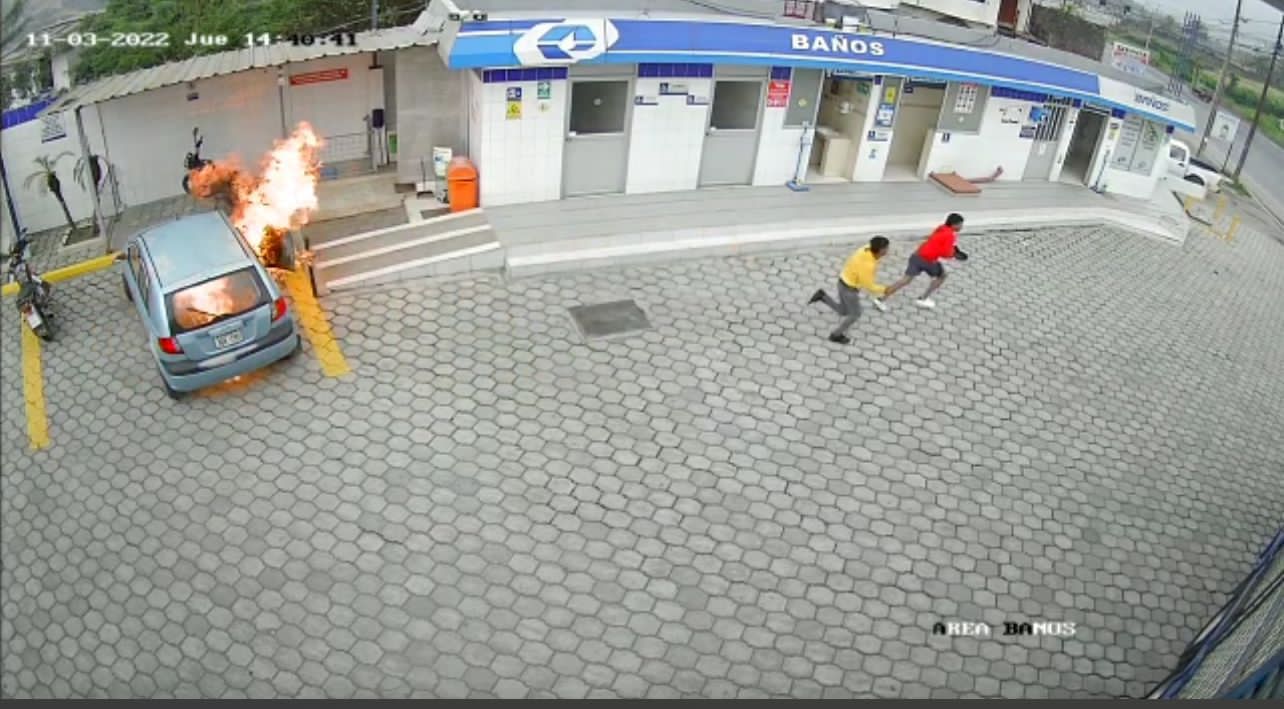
column 282, row 197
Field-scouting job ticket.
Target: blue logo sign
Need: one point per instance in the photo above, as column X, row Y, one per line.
column 553, row 43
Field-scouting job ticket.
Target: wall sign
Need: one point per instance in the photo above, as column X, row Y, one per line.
column 646, row 100
column 778, row 93
column 317, row 77
column 544, row 90
column 561, row 41
column 669, row 88
column 879, row 136
column 513, row 96
column 965, row 101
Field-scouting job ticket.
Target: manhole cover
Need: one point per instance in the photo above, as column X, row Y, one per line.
column 607, row 319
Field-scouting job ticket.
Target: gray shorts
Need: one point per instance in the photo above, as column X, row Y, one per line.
column 919, row 265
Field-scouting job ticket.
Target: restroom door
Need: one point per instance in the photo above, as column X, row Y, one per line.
column 1047, row 134
column 597, row 138
column 731, row 139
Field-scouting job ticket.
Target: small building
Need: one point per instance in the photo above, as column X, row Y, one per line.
column 608, row 97
column 598, row 100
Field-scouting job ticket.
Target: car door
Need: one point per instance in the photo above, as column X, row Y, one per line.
column 1178, row 159
column 138, row 279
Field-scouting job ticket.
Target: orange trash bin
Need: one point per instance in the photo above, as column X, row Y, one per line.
column 461, row 184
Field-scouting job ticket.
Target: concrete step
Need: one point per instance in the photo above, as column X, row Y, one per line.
column 350, row 196
column 456, row 243
column 397, row 237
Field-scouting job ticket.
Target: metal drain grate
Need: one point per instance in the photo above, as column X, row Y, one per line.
column 608, row 319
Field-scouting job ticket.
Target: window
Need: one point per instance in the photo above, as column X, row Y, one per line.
column 216, row 299
column 141, row 279
column 1176, row 153
column 735, row 105
column 598, row 106
column 803, row 95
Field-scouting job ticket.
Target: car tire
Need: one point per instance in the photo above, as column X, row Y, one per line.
column 171, row 392
column 125, row 284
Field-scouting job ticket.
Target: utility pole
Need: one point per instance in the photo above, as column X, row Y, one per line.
column 1221, row 79
column 1261, row 100
column 1150, row 32
column 374, row 14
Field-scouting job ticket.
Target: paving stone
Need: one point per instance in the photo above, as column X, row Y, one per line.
column 724, row 504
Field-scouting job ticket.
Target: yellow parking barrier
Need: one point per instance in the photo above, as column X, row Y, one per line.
column 66, row 273
column 1234, row 227
column 315, row 325
column 33, row 390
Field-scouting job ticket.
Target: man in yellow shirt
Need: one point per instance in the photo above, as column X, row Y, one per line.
column 860, row 272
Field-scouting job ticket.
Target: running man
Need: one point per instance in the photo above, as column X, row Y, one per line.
column 860, row 272
column 942, row 244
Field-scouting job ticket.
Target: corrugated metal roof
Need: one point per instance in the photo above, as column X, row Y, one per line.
column 231, row 62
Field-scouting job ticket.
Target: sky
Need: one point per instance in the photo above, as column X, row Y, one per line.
column 1263, row 20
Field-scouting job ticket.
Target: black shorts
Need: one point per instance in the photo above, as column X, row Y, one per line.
column 918, row 265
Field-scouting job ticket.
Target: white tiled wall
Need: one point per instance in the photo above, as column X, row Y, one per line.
column 871, row 155
column 1063, row 147
column 666, row 140
column 518, row 160
column 778, row 148
column 997, row 144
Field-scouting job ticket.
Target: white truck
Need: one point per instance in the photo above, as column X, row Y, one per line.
column 1184, row 166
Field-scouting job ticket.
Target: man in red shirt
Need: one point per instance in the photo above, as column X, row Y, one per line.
column 942, row 244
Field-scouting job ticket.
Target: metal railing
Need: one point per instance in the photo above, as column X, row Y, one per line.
column 1240, row 652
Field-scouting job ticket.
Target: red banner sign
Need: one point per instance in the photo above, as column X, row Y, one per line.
column 777, row 94
column 316, row 77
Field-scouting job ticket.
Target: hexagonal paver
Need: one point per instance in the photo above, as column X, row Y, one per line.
column 724, row 505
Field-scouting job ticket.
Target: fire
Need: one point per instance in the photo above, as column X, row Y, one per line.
column 280, row 198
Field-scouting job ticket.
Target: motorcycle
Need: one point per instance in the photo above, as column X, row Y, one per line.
column 193, row 160
column 35, row 301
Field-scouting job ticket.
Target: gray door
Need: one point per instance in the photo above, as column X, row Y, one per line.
column 597, row 138
column 1047, row 134
column 731, row 140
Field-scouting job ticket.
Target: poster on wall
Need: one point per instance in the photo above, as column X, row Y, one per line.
column 544, row 90
column 1147, row 148
column 1027, row 131
column 1129, row 136
column 778, row 93
column 514, row 98
column 965, row 101
column 885, row 115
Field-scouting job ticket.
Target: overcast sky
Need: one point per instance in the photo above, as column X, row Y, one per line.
column 1263, row 20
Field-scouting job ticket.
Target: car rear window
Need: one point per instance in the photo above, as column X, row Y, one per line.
column 217, row 299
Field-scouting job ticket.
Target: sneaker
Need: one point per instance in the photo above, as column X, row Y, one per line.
column 817, row 297
column 840, row 339
column 878, row 303
column 927, row 303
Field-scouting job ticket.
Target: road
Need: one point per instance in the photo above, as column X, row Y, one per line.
column 1264, row 169
column 723, row 505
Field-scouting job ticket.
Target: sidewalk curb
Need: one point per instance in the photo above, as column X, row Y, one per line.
column 67, row 273
column 658, row 247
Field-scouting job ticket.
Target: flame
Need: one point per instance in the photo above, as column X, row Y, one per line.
column 280, row 198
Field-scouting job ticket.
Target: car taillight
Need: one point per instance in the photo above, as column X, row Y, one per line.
column 169, row 345
column 278, row 309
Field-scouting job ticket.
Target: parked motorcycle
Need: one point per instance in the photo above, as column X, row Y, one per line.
column 35, row 301
column 193, row 160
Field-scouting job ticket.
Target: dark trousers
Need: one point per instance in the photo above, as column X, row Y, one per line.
column 847, row 305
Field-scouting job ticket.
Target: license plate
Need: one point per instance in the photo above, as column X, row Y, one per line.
column 229, row 339
column 33, row 318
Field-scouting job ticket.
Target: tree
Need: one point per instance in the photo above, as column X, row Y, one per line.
column 13, row 22
column 45, row 178
column 89, row 173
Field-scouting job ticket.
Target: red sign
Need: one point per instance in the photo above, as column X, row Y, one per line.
column 777, row 94
column 316, row 77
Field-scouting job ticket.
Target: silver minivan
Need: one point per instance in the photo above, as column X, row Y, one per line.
column 211, row 309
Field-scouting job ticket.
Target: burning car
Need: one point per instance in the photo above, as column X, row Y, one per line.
column 211, row 309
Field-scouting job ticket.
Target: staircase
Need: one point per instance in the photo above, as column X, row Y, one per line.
column 434, row 242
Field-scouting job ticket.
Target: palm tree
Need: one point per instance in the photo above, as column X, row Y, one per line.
column 94, row 169
column 45, row 178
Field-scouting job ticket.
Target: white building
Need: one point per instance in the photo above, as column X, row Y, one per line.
column 630, row 103
column 607, row 102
